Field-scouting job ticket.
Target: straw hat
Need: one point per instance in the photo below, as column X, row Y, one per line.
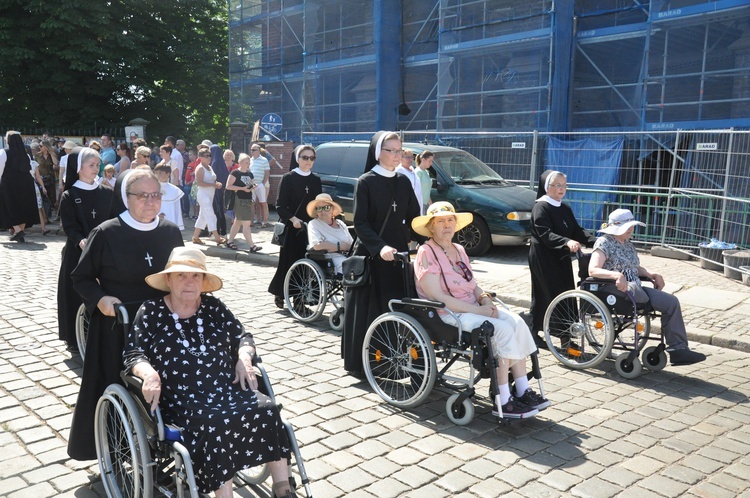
column 185, row 260
column 69, row 144
column 620, row 220
column 442, row 208
column 321, row 200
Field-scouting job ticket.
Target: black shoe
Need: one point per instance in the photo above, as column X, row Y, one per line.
column 19, row 236
column 279, row 302
column 73, row 349
column 540, row 342
column 685, row 357
column 516, row 409
column 534, row 400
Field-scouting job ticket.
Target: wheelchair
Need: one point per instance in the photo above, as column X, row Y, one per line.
column 402, row 346
column 141, row 456
column 309, row 285
column 82, row 329
column 583, row 326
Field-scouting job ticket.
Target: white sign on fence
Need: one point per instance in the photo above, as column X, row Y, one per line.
column 707, row 146
column 518, row 145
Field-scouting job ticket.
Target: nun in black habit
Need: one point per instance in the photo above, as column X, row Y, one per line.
column 18, row 208
column 384, row 205
column 555, row 235
column 84, row 205
column 297, row 188
column 118, row 256
column 222, row 173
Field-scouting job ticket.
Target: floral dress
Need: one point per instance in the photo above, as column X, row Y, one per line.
column 226, row 429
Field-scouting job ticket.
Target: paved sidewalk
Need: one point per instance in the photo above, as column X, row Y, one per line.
column 684, row 431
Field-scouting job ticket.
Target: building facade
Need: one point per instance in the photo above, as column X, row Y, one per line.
column 490, row 65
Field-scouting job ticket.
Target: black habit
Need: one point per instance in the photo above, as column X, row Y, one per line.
column 17, row 187
column 115, row 262
column 295, row 191
column 80, row 212
column 549, row 258
column 375, row 197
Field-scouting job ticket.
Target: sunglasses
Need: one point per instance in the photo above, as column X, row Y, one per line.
column 327, row 207
column 463, row 270
column 307, row 158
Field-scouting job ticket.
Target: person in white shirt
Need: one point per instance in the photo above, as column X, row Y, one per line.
column 406, row 168
column 177, row 161
column 261, row 171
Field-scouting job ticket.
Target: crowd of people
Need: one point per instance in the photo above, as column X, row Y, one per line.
column 128, row 213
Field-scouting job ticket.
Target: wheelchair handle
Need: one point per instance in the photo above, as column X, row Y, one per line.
column 401, row 256
column 122, row 314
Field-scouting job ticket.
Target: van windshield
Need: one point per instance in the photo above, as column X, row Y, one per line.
column 466, row 169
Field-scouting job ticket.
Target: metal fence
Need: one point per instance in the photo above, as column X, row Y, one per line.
column 688, row 186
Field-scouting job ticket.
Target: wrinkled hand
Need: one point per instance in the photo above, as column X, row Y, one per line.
column 151, row 390
column 107, row 305
column 573, row 245
column 244, row 373
column 658, row 281
column 387, row 253
column 621, row 283
column 489, row 310
column 296, row 222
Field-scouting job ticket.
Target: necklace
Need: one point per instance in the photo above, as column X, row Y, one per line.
column 458, row 266
column 199, row 321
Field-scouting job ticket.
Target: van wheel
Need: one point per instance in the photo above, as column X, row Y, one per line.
column 475, row 237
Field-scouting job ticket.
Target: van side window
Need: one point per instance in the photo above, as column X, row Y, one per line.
column 327, row 161
column 353, row 163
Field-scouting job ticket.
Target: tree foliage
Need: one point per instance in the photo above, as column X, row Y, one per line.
column 84, row 63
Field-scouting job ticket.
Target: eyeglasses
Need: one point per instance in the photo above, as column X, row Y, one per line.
column 394, row 151
column 142, row 196
column 559, row 185
column 463, row 270
column 307, row 158
column 327, row 207
column 254, row 150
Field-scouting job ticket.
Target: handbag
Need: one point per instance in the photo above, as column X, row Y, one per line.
column 356, row 269
column 229, row 197
column 279, row 234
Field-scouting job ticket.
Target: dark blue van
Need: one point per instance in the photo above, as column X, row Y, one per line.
column 501, row 210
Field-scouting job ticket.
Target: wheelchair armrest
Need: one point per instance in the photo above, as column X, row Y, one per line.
column 422, row 302
column 320, row 252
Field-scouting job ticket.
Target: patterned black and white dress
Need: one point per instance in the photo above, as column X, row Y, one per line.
column 226, row 429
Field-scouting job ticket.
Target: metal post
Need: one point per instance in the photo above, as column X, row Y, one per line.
column 726, row 184
column 671, row 186
column 532, row 170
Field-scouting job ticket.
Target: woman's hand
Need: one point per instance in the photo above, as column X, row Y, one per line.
column 107, row 305
column 658, row 281
column 387, row 253
column 296, row 222
column 573, row 245
column 489, row 310
column 621, row 283
column 217, row 185
column 82, row 243
column 244, row 373
column 151, row 390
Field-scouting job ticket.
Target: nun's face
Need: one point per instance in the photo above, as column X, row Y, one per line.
column 390, row 154
column 306, row 159
column 89, row 170
column 558, row 185
column 145, row 209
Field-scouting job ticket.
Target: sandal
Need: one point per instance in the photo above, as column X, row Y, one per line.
column 46, row 231
column 197, row 240
column 255, row 248
column 221, row 241
column 232, row 245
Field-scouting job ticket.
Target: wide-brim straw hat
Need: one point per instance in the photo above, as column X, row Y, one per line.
column 185, row 260
column 321, row 200
column 619, row 222
column 442, row 208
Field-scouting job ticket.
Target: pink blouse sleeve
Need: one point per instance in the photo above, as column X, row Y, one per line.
column 424, row 254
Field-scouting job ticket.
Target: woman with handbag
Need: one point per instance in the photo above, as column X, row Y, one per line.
column 297, row 188
column 384, row 206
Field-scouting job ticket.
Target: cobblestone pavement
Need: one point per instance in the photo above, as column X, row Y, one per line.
column 684, row 431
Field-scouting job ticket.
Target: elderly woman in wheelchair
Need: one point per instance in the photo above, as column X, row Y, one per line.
column 615, row 258
column 195, row 360
column 443, row 273
column 325, row 232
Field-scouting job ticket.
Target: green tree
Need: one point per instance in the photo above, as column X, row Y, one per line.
column 84, row 63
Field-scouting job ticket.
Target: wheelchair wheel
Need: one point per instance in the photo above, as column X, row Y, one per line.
column 578, row 329
column 254, row 475
column 82, row 329
column 626, row 368
column 459, row 414
column 626, row 337
column 652, row 361
column 305, row 290
column 398, row 359
column 336, row 320
column 121, row 445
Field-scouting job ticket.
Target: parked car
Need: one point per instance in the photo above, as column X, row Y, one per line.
column 501, row 210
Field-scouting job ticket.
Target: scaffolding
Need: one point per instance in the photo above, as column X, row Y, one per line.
column 471, row 65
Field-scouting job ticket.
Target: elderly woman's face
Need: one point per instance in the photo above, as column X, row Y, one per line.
column 324, row 212
column 443, row 227
column 185, row 286
column 625, row 236
column 148, row 206
column 558, row 185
